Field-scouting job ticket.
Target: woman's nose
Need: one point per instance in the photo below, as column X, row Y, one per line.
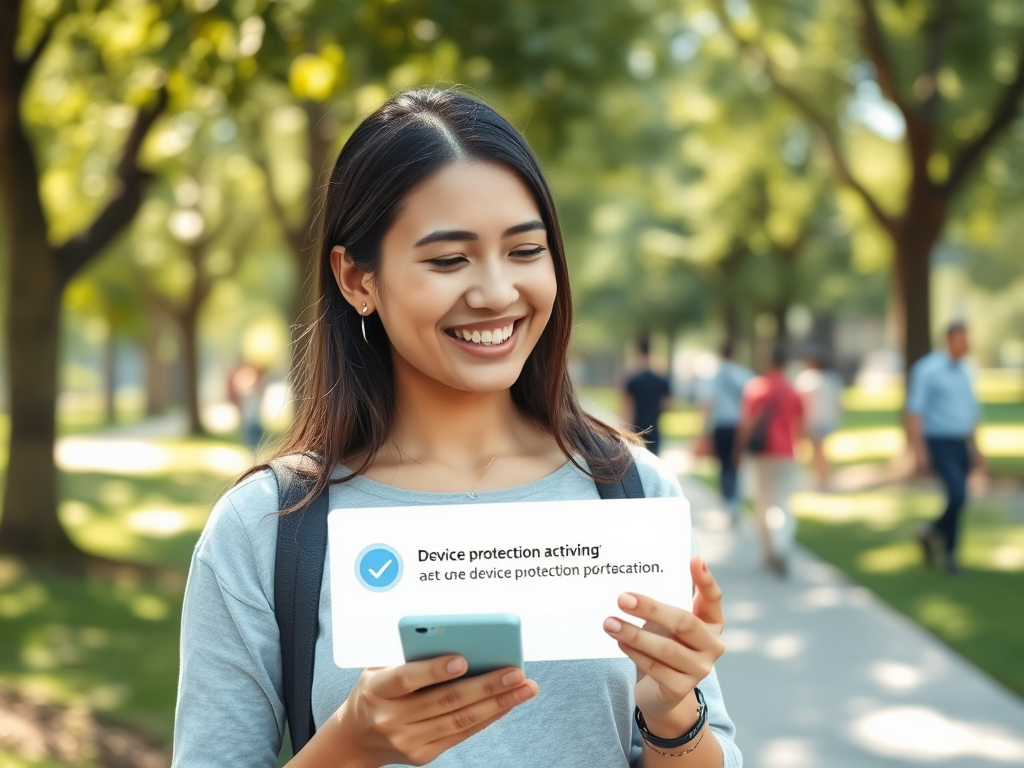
column 493, row 287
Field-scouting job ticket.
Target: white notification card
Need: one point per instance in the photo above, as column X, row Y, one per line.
column 560, row 566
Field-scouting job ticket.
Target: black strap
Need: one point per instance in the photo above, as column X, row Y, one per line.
column 298, row 574
column 629, row 486
column 299, row 571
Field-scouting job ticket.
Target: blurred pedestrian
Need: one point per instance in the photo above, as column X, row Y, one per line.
column 721, row 404
column 772, row 422
column 647, row 396
column 942, row 415
column 245, row 390
column 821, row 390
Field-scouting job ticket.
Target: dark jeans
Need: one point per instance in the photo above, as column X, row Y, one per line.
column 725, row 441
column 952, row 463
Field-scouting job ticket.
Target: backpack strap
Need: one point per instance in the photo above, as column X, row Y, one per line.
column 629, row 486
column 298, row 574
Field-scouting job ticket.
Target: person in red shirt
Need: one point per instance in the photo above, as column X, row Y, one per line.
column 771, row 424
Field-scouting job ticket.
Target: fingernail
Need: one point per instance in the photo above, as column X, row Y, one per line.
column 524, row 693
column 612, row 625
column 455, row 666
column 512, row 678
column 627, row 600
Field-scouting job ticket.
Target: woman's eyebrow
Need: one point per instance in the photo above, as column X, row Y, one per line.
column 462, row 235
column 526, row 226
column 446, row 235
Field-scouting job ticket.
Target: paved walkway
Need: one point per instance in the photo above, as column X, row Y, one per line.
column 819, row 673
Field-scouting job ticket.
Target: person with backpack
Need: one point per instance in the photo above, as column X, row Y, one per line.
column 436, row 372
column 771, row 425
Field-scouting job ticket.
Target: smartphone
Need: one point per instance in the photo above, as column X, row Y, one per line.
column 487, row 641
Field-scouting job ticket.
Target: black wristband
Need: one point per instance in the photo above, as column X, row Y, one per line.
column 686, row 738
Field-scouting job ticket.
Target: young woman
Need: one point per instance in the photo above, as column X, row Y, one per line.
column 436, row 373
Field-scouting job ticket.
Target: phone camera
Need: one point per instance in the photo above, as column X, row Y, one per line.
column 421, row 630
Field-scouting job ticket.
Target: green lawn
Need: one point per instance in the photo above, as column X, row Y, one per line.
column 113, row 645
column 869, row 536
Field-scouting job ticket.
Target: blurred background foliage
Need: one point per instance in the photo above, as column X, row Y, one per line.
column 839, row 173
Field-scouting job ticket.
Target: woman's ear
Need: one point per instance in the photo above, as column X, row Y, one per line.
column 353, row 282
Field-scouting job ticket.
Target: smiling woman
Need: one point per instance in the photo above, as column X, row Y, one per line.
column 436, row 372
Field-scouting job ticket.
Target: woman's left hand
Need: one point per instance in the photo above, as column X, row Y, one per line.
column 674, row 650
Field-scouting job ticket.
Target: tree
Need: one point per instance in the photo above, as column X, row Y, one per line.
column 39, row 269
column 212, row 222
column 953, row 70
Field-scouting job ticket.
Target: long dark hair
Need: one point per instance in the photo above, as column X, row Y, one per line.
column 347, row 399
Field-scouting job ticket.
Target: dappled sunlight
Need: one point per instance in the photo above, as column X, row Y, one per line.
column 147, row 458
column 890, row 559
column 1001, row 441
column 895, row 676
column 1006, row 558
column 875, row 443
column 785, row 646
column 739, row 640
column 124, row 533
column 22, row 600
column 882, row 396
column 925, row 734
column 881, row 509
column 159, row 523
column 681, row 424
column 883, row 443
column 999, row 547
column 150, row 607
column 789, row 753
column 1000, row 385
column 944, row 616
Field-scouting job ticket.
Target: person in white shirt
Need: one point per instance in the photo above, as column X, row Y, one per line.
column 821, row 390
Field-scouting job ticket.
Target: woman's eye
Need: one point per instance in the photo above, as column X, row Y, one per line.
column 446, row 262
column 528, row 251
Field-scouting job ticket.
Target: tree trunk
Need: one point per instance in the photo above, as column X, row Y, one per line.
column 781, row 314
column 303, row 240
column 29, row 526
column 110, row 372
column 189, row 324
column 913, row 243
column 730, row 324
column 157, row 371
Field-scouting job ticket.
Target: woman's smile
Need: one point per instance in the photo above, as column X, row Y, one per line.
column 487, row 338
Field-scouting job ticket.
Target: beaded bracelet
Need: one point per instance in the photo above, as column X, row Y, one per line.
column 697, row 732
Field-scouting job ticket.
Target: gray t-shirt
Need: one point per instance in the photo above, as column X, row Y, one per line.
column 230, row 708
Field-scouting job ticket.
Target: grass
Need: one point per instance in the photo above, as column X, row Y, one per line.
column 113, row 645
column 869, row 536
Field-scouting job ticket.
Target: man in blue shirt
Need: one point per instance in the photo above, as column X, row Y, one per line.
column 721, row 406
column 942, row 414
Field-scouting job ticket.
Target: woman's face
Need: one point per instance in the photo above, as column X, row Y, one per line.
column 466, row 283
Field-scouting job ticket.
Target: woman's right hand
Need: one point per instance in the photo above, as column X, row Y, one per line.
column 389, row 718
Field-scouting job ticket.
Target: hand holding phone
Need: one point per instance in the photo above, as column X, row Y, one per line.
column 487, row 641
column 412, row 713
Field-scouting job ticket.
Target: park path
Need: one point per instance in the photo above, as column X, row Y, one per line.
column 819, row 672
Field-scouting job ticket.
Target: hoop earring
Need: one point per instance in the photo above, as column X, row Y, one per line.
column 362, row 323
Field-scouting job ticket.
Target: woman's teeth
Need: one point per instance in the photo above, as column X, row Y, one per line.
column 487, row 338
